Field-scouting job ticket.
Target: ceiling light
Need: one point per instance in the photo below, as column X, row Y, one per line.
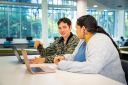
column 105, row 10
column 95, row 6
column 110, row 13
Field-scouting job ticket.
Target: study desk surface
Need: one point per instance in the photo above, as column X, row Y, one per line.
column 13, row 73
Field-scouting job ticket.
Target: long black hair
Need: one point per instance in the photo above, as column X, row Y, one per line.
column 90, row 23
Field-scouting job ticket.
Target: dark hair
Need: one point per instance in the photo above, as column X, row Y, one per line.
column 90, row 23
column 65, row 20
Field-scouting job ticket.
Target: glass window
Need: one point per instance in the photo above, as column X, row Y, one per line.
column 14, row 22
column 31, row 23
column 25, row 23
column 4, row 31
column 36, row 25
column 58, row 9
column 20, row 21
column 106, row 19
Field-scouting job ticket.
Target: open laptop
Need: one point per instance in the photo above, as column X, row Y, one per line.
column 35, row 70
column 17, row 54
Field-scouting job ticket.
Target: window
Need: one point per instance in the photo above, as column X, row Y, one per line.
column 20, row 21
column 58, row 9
column 4, row 31
column 106, row 19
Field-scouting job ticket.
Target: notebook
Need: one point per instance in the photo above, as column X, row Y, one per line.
column 20, row 60
column 35, row 70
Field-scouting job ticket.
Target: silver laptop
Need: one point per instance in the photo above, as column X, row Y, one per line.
column 35, row 70
column 17, row 54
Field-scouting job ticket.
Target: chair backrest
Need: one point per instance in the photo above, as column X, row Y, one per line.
column 125, row 68
column 29, row 38
column 9, row 39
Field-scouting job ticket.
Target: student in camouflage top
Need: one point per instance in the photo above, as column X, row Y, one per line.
column 63, row 45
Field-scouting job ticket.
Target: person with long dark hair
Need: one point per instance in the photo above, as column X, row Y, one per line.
column 98, row 55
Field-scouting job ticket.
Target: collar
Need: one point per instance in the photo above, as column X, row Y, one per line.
column 62, row 39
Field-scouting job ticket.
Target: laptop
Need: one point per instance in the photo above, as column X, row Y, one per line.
column 17, row 54
column 37, row 69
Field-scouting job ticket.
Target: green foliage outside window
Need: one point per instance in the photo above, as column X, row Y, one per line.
column 19, row 22
column 106, row 19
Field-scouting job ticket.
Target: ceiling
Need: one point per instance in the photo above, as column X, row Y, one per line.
column 104, row 4
column 108, row 4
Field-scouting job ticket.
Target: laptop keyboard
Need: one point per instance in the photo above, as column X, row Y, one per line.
column 37, row 69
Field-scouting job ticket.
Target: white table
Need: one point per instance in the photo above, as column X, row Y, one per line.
column 12, row 73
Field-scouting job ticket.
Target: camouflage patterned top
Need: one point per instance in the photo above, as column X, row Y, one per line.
column 58, row 48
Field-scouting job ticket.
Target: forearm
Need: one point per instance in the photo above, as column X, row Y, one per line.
column 68, row 57
column 78, row 67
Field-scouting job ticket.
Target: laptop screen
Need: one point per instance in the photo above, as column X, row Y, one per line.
column 16, row 53
column 24, row 53
column 37, row 69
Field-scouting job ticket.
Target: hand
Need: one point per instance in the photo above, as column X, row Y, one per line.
column 36, row 44
column 37, row 60
column 57, row 59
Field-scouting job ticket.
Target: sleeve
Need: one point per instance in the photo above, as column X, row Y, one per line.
column 47, row 51
column 72, row 45
column 68, row 57
column 98, row 53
